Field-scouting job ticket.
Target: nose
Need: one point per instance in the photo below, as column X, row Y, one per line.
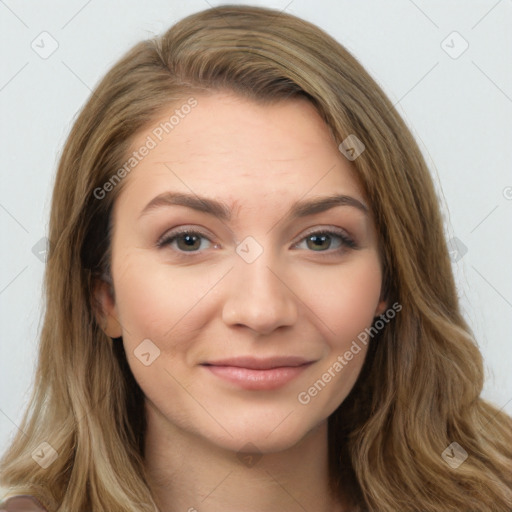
column 259, row 296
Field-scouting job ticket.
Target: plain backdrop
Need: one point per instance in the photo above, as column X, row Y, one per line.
column 445, row 64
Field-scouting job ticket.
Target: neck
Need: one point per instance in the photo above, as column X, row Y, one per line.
column 189, row 473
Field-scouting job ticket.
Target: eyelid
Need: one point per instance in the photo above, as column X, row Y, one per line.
column 324, row 229
column 180, row 230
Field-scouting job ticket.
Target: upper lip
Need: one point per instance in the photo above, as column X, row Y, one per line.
column 254, row 363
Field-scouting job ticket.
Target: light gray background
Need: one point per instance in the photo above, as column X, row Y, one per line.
column 459, row 109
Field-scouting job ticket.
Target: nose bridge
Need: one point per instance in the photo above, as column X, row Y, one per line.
column 258, row 296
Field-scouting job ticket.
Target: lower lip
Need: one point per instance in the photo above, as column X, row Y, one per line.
column 247, row 378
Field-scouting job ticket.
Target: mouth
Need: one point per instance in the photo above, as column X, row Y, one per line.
column 258, row 374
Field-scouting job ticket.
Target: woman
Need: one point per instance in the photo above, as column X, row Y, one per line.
column 250, row 303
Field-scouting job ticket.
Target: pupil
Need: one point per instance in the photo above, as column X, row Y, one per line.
column 190, row 240
column 315, row 239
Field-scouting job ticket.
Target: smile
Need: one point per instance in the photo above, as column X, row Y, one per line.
column 262, row 375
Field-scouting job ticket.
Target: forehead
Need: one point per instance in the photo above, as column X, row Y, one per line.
column 246, row 152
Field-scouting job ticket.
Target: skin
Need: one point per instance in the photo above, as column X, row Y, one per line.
column 294, row 299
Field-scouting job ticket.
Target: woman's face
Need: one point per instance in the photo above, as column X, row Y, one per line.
column 238, row 299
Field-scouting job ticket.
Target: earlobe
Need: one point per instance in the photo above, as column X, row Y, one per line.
column 381, row 307
column 105, row 309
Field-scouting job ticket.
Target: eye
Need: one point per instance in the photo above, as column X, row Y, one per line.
column 323, row 241
column 189, row 241
column 184, row 240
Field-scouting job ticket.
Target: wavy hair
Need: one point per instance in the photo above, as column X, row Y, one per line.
column 419, row 388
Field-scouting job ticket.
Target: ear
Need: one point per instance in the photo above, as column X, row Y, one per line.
column 106, row 310
column 382, row 305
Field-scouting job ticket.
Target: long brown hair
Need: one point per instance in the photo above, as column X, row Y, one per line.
column 419, row 389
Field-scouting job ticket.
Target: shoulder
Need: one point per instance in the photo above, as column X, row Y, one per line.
column 21, row 504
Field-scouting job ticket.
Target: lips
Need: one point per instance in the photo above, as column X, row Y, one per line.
column 253, row 363
column 258, row 374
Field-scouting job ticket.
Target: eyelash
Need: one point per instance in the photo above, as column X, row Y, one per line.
column 346, row 241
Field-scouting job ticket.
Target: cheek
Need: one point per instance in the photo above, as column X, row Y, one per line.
column 141, row 300
column 345, row 300
column 345, row 303
column 158, row 302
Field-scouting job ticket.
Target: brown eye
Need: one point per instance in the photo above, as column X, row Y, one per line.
column 186, row 241
column 332, row 241
column 319, row 242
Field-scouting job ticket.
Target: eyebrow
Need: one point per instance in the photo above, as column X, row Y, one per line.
column 222, row 211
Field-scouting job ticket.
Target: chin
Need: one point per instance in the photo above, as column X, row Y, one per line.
column 265, row 437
